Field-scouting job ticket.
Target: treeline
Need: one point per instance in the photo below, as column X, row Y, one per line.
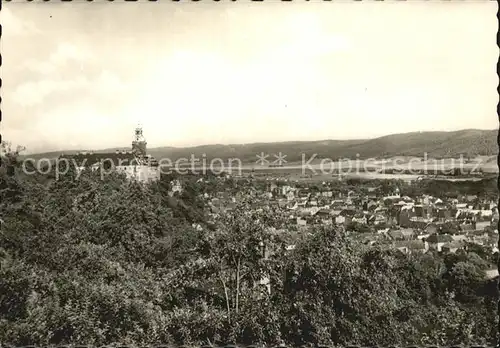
column 485, row 188
column 94, row 261
column 453, row 172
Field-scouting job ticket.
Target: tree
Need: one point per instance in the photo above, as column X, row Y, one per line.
column 102, row 261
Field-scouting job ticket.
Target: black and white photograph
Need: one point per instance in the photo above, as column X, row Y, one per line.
column 235, row 174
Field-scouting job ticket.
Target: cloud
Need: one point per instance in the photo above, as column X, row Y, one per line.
column 32, row 93
column 283, row 76
column 64, row 54
column 77, row 125
column 14, row 25
column 307, row 38
column 65, row 70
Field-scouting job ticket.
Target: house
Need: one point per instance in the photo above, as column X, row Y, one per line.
column 419, row 210
column 360, row 219
column 492, row 273
column 366, row 237
column 372, row 205
column 370, row 218
column 392, row 199
column 336, row 212
column 267, row 195
column 327, row 221
column 417, row 246
column 400, row 204
column 216, row 202
column 418, row 223
column 337, row 203
column 324, row 213
column 482, row 225
column 230, row 206
column 341, row 219
column 282, row 203
column 301, row 221
column 462, row 215
column 411, row 246
column 486, row 213
column 285, row 190
column 452, row 246
column 369, row 204
column 379, row 219
column 467, row 228
column 313, row 210
column 197, row 227
column 431, row 229
column 273, row 187
column 403, row 248
column 436, row 241
column 426, row 199
column 471, row 198
column 312, row 203
column 438, row 201
column 459, row 237
column 408, row 233
column 175, row 187
column 383, row 230
column 348, row 212
column 403, row 217
column 215, row 210
column 302, row 202
column 304, row 193
column 395, row 235
column 407, row 199
column 443, row 214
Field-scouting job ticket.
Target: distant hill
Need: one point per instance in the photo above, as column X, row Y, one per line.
column 469, row 142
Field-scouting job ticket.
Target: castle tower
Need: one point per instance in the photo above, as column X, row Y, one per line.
column 139, row 143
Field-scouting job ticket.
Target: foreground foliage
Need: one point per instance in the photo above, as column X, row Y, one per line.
column 107, row 261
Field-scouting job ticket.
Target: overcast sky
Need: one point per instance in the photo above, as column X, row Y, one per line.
column 81, row 75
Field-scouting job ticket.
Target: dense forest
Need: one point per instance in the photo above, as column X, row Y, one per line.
column 100, row 261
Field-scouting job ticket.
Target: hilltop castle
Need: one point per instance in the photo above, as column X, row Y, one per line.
column 136, row 164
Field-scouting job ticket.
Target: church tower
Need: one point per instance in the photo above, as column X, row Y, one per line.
column 139, row 143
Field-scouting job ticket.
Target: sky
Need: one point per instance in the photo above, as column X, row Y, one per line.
column 81, row 75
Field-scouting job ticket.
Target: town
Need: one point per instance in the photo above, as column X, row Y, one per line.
column 249, row 174
column 376, row 212
column 416, row 215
